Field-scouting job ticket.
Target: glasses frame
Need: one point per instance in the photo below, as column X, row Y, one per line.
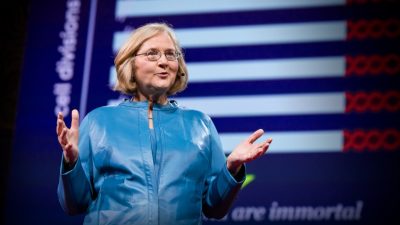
column 159, row 53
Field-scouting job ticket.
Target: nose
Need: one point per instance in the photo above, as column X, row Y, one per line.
column 162, row 61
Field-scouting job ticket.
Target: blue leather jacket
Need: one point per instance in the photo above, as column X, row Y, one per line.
column 116, row 180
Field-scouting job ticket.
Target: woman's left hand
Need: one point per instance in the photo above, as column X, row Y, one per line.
column 247, row 151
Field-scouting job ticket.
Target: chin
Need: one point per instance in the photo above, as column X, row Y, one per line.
column 162, row 88
column 163, row 85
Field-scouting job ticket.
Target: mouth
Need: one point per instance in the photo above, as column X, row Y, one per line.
column 162, row 74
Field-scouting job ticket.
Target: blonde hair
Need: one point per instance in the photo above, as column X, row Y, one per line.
column 124, row 64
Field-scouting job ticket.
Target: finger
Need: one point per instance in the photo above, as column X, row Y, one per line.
column 60, row 123
column 60, row 142
column 60, row 116
column 266, row 144
column 63, row 137
column 75, row 119
column 254, row 136
column 265, row 147
column 60, row 126
column 261, row 150
column 68, row 147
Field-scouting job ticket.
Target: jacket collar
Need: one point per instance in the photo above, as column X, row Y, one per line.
column 171, row 105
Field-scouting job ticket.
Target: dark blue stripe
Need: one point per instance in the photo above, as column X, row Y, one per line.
column 307, row 122
column 242, row 18
column 314, row 49
column 292, row 15
column 311, row 85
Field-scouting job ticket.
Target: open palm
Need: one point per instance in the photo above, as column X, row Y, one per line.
column 247, row 151
column 68, row 137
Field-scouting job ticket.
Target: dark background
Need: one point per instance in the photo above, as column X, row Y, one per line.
column 14, row 19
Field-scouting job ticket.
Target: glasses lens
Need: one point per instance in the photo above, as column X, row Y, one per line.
column 171, row 56
column 153, row 55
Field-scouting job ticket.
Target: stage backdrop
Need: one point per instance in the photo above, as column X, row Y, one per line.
column 321, row 77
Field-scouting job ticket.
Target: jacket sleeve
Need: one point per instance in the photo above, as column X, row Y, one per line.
column 221, row 187
column 75, row 189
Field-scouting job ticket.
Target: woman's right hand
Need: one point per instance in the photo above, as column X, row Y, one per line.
column 68, row 137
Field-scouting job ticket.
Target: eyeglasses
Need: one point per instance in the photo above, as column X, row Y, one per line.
column 154, row 55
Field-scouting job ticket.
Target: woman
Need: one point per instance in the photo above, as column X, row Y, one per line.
column 147, row 160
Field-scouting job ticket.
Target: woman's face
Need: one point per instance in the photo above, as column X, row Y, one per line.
column 155, row 78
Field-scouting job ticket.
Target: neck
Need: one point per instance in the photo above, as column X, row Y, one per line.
column 162, row 100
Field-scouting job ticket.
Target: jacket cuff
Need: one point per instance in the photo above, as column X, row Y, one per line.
column 229, row 182
column 238, row 178
column 64, row 171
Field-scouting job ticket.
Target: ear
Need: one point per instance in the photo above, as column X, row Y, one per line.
column 181, row 72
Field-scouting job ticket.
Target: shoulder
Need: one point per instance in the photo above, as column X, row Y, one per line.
column 103, row 112
column 193, row 113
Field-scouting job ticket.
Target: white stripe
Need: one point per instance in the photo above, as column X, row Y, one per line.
column 112, row 77
column 291, row 142
column 176, row 7
column 114, row 101
column 262, row 34
column 282, row 104
column 261, row 69
column 253, row 34
column 267, row 69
